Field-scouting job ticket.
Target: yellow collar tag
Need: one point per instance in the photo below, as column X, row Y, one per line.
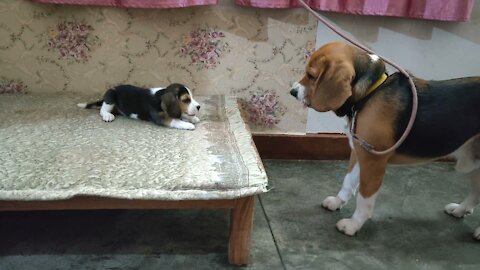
column 376, row 84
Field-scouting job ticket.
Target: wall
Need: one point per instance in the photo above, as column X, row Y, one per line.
column 255, row 54
column 428, row 49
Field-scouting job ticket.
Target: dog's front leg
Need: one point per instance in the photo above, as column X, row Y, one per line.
column 349, row 186
column 372, row 171
column 163, row 120
column 192, row 119
column 179, row 124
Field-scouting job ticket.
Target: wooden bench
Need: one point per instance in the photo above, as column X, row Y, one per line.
column 54, row 156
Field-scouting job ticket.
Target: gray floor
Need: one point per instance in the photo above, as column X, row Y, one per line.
column 291, row 231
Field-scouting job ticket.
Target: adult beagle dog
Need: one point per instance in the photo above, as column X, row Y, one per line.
column 172, row 106
column 346, row 80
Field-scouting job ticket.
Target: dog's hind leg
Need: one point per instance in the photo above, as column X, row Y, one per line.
column 90, row 105
column 468, row 161
column 372, row 171
column 476, row 233
column 466, row 207
column 472, row 200
column 349, row 186
column 108, row 105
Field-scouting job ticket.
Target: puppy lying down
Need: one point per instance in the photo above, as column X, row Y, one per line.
column 172, row 106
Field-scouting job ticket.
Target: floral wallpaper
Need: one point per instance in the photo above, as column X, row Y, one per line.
column 12, row 86
column 72, row 40
column 263, row 108
column 204, row 47
column 254, row 54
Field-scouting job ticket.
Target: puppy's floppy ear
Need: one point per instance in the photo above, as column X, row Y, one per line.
column 171, row 106
column 333, row 85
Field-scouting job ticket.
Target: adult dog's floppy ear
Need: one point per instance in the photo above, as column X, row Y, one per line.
column 333, row 85
column 368, row 69
column 171, row 106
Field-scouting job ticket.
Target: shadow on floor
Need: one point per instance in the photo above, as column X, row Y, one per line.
column 114, row 231
column 409, row 229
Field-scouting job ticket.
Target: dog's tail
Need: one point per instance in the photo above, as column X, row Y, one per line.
column 90, row 105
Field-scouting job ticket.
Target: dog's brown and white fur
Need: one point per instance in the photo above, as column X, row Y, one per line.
column 172, row 106
column 447, row 124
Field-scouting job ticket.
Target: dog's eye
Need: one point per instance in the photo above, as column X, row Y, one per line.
column 187, row 100
column 310, row 77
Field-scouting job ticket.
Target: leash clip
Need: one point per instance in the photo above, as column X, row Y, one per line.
column 364, row 144
column 370, row 148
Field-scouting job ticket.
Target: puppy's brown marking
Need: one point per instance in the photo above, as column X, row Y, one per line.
column 184, row 102
column 170, row 105
column 167, row 121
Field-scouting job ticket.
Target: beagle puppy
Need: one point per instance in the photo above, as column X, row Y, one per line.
column 172, row 106
column 346, row 80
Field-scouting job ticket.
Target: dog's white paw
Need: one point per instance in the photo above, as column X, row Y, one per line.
column 348, row 226
column 189, row 126
column 457, row 210
column 107, row 117
column 332, row 203
column 195, row 120
column 476, row 233
column 185, row 125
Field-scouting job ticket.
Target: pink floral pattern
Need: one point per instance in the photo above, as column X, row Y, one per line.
column 263, row 108
column 204, row 46
column 72, row 39
column 12, row 87
column 309, row 50
column 215, row 50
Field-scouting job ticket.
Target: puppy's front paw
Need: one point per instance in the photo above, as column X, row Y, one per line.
column 189, row 126
column 457, row 210
column 348, row 226
column 195, row 120
column 190, row 119
column 476, row 233
column 107, row 117
column 332, row 203
column 183, row 125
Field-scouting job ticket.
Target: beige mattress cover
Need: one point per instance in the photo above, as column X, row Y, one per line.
column 51, row 150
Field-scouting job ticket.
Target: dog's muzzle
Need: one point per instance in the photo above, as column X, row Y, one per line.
column 298, row 91
column 294, row 92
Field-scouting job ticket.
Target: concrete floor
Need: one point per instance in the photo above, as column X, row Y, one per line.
column 408, row 231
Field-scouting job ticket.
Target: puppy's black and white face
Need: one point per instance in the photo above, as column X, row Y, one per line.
column 188, row 105
column 177, row 100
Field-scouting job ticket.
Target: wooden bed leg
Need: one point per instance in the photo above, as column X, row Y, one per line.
column 241, row 224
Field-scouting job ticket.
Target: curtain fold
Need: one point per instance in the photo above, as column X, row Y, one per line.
column 443, row 10
column 133, row 3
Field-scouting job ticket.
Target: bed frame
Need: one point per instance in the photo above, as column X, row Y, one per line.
column 241, row 214
column 45, row 116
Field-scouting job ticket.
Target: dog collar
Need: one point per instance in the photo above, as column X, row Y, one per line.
column 374, row 86
column 370, row 91
column 349, row 107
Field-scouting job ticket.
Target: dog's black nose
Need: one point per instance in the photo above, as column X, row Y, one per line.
column 198, row 107
column 294, row 92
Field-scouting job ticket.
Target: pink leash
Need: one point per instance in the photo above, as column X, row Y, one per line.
column 413, row 114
